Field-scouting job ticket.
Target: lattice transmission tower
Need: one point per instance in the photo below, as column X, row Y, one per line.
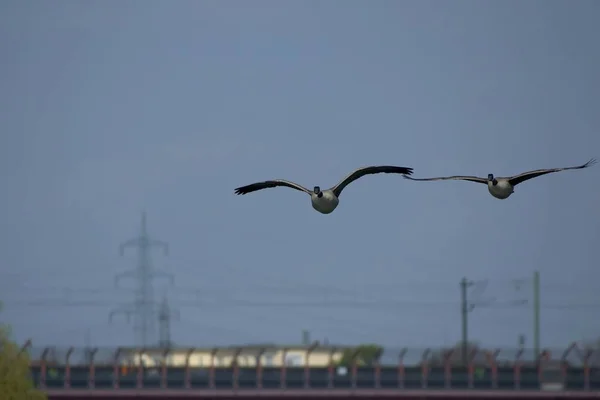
column 165, row 315
column 144, row 309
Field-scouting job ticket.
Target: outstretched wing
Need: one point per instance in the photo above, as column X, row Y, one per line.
column 269, row 184
column 385, row 169
column 515, row 180
column 457, row 178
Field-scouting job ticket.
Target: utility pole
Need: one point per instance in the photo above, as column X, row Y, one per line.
column 88, row 345
column 536, row 313
column 526, row 300
column 466, row 306
column 464, row 310
column 144, row 308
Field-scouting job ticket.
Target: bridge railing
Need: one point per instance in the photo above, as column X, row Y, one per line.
column 314, row 367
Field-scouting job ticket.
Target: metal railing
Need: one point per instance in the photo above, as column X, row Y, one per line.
column 574, row 369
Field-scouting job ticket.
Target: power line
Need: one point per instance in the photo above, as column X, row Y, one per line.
column 303, row 288
column 467, row 307
column 433, row 285
column 299, row 304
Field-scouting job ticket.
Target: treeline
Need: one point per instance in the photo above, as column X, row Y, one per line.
column 15, row 375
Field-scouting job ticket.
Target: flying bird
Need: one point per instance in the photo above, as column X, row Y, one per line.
column 325, row 201
column 502, row 187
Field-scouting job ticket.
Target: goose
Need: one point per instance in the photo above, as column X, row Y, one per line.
column 325, row 201
column 502, row 187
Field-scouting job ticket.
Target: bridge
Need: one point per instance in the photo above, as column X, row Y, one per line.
column 142, row 377
column 391, row 382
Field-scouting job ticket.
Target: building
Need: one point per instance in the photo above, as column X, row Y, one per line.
column 247, row 356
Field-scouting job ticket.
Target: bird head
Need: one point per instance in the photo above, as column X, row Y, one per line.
column 492, row 179
column 318, row 192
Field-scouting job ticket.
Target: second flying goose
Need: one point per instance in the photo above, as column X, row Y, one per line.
column 325, row 201
column 502, row 187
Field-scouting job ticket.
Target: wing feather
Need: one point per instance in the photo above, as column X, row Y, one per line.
column 360, row 172
column 525, row 176
column 269, row 184
column 455, row 177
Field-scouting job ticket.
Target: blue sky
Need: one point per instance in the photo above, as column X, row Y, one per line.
column 109, row 109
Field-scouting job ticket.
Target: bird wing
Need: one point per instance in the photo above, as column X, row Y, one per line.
column 515, row 180
column 269, row 184
column 456, row 177
column 385, row 169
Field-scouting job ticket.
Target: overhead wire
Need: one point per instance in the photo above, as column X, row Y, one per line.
column 320, row 296
column 293, row 304
column 291, row 284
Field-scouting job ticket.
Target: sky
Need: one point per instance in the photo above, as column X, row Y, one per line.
column 109, row 109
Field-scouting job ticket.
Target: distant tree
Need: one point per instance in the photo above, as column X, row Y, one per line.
column 364, row 354
column 455, row 354
column 15, row 375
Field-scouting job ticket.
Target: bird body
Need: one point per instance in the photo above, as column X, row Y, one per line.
column 503, row 187
column 501, row 190
column 325, row 201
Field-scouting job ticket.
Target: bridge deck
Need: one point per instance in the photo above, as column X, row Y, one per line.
column 101, row 394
